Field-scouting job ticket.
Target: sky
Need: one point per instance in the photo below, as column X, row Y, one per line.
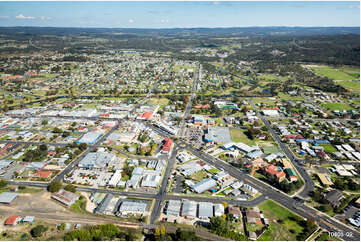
column 179, row 14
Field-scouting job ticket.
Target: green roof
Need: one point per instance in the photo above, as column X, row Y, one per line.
column 290, row 172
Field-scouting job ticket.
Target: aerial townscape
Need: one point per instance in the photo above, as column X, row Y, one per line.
column 242, row 133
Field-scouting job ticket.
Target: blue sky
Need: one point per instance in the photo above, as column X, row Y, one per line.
column 179, row 14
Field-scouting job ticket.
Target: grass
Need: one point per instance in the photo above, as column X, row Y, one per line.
column 29, row 190
column 332, row 73
column 159, row 101
column 238, row 135
column 79, row 206
column 214, row 170
column 354, row 86
column 278, row 231
column 199, row 175
column 270, row 149
column 337, row 106
column 329, row 148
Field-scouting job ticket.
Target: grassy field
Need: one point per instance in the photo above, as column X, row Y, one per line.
column 354, row 86
column 159, row 101
column 79, row 206
column 337, row 106
column 288, row 230
column 199, row 175
column 329, row 148
column 237, row 135
column 332, row 73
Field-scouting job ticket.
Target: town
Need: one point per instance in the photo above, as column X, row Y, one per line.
column 146, row 144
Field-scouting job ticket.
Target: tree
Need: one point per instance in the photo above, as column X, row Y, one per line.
column 162, row 230
column 38, row 230
column 55, row 186
column 3, row 183
column 44, row 122
column 70, row 188
column 62, row 226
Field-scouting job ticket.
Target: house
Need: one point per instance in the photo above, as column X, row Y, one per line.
column 235, row 211
column 43, row 174
column 13, row 220
column 275, row 171
column 167, row 145
column 324, row 179
column 254, row 216
column 334, row 197
column 28, row 219
column 291, row 175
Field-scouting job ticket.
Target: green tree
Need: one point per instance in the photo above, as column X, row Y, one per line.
column 3, row 183
column 61, row 227
column 70, row 188
column 38, row 230
column 55, row 186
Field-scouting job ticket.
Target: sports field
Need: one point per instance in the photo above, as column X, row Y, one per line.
column 332, row 73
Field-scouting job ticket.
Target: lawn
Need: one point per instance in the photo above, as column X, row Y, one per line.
column 337, row 106
column 332, row 73
column 79, row 206
column 270, row 149
column 238, row 135
column 159, row 101
column 329, row 148
column 352, row 85
column 287, row 230
column 214, row 170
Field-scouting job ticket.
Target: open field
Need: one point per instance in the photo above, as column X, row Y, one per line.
column 238, row 135
column 286, row 230
column 337, row 106
column 332, row 73
column 329, row 148
column 354, row 86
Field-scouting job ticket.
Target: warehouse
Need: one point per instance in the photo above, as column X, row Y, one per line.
column 90, row 138
column 218, row 209
column 204, row 185
column 103, row 204
column 115, row 178
column 150, row 181
column 189, row 209
column 218, row 135
column 65, row 197
column 7, row 197
column 96, row 160
column 132, row 207
column 174, row 207
column 205, row 210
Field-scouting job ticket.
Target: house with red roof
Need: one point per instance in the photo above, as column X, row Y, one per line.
column 43, row 174
column 275, row 171
column 167, row 145
column 13, row 220
column 146, row 115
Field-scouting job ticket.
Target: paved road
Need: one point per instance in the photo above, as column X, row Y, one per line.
column 189, row 105
column 309, row 184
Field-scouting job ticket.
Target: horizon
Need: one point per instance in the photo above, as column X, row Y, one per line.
column 181, row 15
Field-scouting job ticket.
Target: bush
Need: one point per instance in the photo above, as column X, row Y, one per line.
column 3, row 183
column 38, row 230
column 70, row 188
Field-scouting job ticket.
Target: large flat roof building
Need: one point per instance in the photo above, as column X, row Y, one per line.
column 204, row 185
column 90, row 138
column 205, row 210
column 174, row 207
column 7, row 197
column 97, row 160
column 218, row 135
column 65, row 197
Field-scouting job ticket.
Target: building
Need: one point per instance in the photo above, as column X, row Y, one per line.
column 271, row 113
column 167, row 145
column 43, row 174
column 103, row 204
column 334, row 197
column 90, row 138
column 28, row 219
column 254, row 216
column 275, row 171
column 7, row 197
column 150, row 181
column 189, row 209
column 217, row 135
column 65, row 197
column 204, row 185
column 13, row 220
column 291, row 175
column 132, row 207
column 218, row 209
column 174, row 207
column 115, row 178
column 96, row 160
column 234, row 211
column 205, row 210
column 324, row 179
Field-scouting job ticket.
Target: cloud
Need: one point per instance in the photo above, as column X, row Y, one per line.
column 164, row 20
column 20, row 16
column 131, row 20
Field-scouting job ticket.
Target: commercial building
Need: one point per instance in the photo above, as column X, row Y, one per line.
column 205, row 210
column 218, row 209
column 115, row 178
column 204, row 185
column 218, row 135
column 7, row 197
column 132, row 206
column 150, row 181
column 96, row 160
column 189, row 209
column 90, row 138
column 174, row 207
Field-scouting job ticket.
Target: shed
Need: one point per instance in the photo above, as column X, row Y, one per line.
column 7, row 197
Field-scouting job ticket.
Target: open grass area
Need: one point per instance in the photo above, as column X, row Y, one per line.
column 354, row 86
column 159, row 101
column 199, row 175
column 79, row 206
column 286, row 230
column 329, row 148
column 337, row 106
column 238, row 135
column 270, row 149
column 332, row 73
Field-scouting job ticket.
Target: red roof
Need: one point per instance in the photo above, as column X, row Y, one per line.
column 43, row 174
column 11, row 220
column 273, row 170
column 147, row 115
column 104, row 115
column 167, row 144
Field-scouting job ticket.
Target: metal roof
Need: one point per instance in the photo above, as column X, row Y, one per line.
column 7, row 197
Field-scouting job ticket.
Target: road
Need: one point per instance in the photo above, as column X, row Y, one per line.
column 309, row 185
column 189, row 105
